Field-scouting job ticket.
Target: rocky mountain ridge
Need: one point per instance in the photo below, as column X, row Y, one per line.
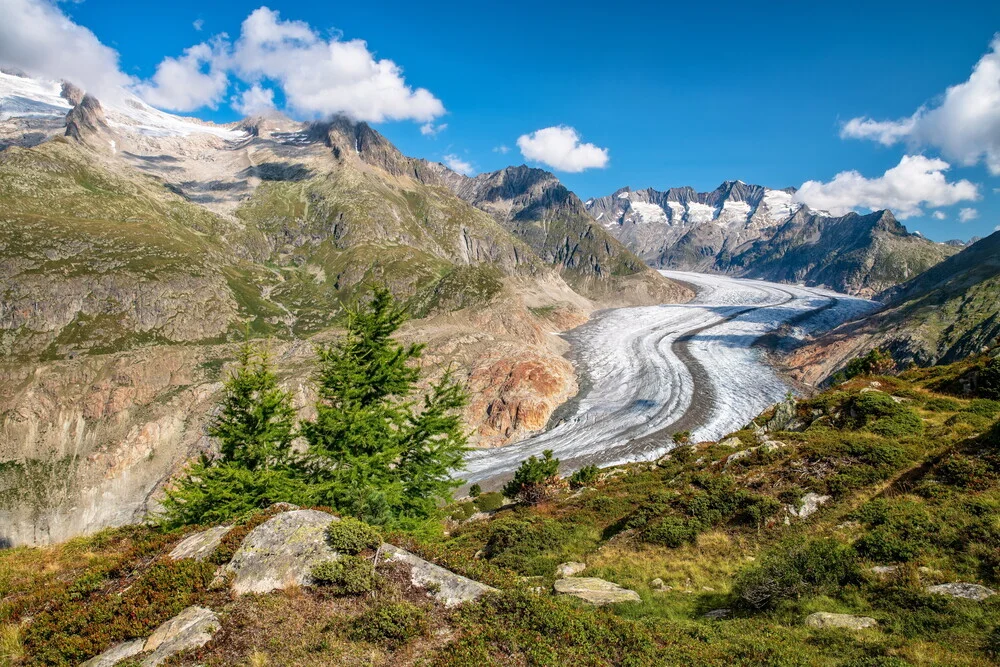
column 754, row 231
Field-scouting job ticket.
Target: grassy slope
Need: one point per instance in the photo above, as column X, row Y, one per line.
column 914, row 483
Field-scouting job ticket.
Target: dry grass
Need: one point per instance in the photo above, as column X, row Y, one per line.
column 11, row 649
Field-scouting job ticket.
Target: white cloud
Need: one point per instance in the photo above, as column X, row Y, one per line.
column 456, row 163
column 191, row 81
column 964, row 125
column 560, row 148
column 432, row 130
column 327, row 76
column 198, row 24
column 915, row 181
column 966, row 214
column 36, row 37
column 939, row 215
column 502, row 149
column 254, row 100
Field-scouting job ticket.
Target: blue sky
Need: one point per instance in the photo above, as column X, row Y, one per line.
column 675, row 94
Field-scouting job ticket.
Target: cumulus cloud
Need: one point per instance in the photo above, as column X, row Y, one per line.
column 456, row 163
column 966, row 214
column 964, row 125
column 318, row 76
column 321, row 77
column 198, row 24
column 560, row 148
column 36, row 37
column 254, row 100
column 939, row 215
column 915, row 181
column 194, row 80
column 432, row 130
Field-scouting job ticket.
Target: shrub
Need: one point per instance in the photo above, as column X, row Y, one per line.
column 490, row 502
column 527, row 546
column 583, row 477
column 984, row 407
column 941, row 404
column 876, row 362
column 988, row 382
column 351, row 536
column 976, row 421
column 463, row 511
column 898, row 532
column 794, row 569
column 392, row 623
column 475, row 490
column 670, row 532
column 535, row 479
column 351, row 575
column 966, row 473
column 903, row 423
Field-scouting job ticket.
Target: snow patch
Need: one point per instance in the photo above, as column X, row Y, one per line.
column 649, row 213
column 697, row 212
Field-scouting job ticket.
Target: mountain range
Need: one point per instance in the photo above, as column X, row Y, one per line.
column 754, row 231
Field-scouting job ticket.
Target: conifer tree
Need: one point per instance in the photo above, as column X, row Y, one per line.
column 374, row 452
column 255, row 427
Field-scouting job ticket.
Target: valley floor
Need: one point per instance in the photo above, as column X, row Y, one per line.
column 649, row 372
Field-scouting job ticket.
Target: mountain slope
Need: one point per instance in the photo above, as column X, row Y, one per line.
column 947, row 313
column 137, row 248
column 753, row 231
column 534, row 206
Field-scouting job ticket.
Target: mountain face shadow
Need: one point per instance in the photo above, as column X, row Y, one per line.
column 278, row 171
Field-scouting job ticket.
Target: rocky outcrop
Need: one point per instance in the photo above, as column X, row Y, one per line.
column 281, row 552
column 594, row 591
column 201, row 545
column 825, row 619
column 808, row 505
column 190, row 629
column 446, row 587
column 966, row 591
column 86, row 120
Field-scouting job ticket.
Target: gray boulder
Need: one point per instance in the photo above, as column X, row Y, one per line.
column 962, row 590
column 570, row 569
column 444, row 585
column 281, row 552
column 200, row 546
column 784, row 415
column 825, row 619
column 807, row 505
column 595, row 591
column 192, row 628
column 116, row 654
column 718, row 614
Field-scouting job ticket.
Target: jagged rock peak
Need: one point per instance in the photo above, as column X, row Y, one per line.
column 71, row 93
column 86, row 119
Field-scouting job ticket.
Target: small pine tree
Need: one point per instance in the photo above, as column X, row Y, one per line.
column 256, row 423
column 255, row 427
column 535, row 479
column 372, row 453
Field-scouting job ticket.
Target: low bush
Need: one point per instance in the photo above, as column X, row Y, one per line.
column 984, row 407
column 350, row 575
column 795, row 568
column 490, row 502
column 898, row 530
column 351, row 536
column 530, row 546
column 475, row 490
column 670, row 532
column 391, row 623
column 583, row 477
column 942, row 404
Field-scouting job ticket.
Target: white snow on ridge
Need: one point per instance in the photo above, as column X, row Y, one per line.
column 697, row 212
column 639, row 386
column 734, row 211
column 22, row 97
column 30, row 98
column 649, row 213
column 779, row 205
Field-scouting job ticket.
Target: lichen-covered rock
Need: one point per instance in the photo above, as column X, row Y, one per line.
column 825, row 619
column 281, row 552
column 570, row 569
column 807, row 505
column 445, row 586
column 192, row 628
column 200, row 546
column 116, row 654
column 595, row 591
column 962, row 590
column 718, row 614
column 784, row 414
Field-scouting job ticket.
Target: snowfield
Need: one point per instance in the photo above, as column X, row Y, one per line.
column 649, row 372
